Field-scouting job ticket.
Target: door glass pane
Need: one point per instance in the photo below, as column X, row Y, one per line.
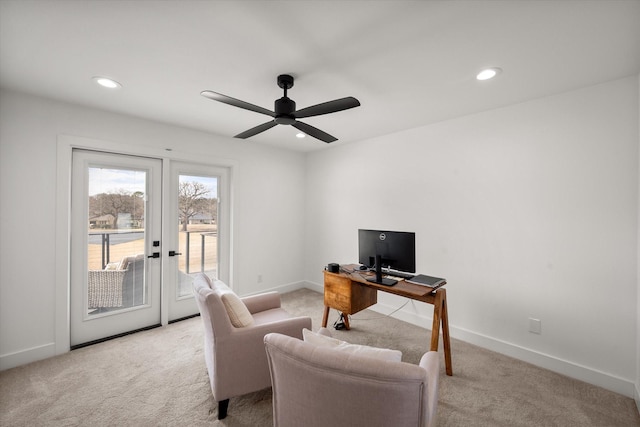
column 197, row 230
column 115, row 250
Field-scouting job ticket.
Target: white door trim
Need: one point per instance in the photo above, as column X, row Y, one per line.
column 65, row 146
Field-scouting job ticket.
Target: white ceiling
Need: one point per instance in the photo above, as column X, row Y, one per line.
column 409, row 63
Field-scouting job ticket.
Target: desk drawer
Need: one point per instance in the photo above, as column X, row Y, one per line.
column 346, row 296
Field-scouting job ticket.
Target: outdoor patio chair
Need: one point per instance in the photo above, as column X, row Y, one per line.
column 117, row 287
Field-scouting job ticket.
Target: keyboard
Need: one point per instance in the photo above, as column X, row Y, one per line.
column 399, row 275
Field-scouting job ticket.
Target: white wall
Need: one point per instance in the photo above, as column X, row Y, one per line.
column 268, row 212
column 528, row 211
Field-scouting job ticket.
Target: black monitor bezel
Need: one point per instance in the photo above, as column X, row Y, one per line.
column 406, row 248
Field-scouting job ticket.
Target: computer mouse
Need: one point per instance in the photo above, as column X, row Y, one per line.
column 363, row 267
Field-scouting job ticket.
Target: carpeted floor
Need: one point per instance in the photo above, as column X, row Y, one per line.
column 158, row 378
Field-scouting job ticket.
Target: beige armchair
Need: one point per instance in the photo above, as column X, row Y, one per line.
column 321, row 386
column 235, row 355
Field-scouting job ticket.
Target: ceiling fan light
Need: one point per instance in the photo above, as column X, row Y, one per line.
column 488, row 73
column 300, row 135
column 107, row 82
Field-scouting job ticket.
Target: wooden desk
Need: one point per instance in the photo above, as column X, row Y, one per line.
column 350, row 293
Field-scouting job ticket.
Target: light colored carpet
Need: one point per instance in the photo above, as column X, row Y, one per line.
column 158, row 378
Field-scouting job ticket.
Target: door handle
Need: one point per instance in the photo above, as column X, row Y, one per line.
column 174, row 253
column 154, row 255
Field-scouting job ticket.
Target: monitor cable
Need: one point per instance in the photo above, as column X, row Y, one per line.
column 351, row 318
column 339, row 324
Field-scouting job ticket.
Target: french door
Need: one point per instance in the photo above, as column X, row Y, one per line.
column 141, row 229
column 116, row 205
column 196, row 232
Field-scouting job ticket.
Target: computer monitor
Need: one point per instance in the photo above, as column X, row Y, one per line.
column 392, row 249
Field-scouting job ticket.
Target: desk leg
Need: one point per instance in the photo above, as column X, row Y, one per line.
column 440, row 315
column 345, row 319
column 446, row 339
column 325, row 316
column 435, row 327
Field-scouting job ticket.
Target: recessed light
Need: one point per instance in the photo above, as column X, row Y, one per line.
column 488, row 73
column 107, row 82
column 300, row 135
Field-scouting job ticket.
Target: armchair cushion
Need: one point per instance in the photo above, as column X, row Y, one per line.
column 238, row 313
column 124, row 262
column 112, row 266
column 322, row 340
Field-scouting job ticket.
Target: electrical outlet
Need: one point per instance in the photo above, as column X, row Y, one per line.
column 535, row 326
column 259, row 278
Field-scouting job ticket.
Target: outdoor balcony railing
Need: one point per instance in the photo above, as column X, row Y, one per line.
column 107, row 240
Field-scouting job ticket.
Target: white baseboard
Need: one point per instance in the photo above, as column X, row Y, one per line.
column 11, row 360
column 314, row 287
column 564, row 367
column 289, row 287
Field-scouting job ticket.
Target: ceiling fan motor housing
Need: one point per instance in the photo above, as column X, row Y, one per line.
column 284, row 108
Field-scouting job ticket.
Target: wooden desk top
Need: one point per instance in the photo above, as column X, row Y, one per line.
column 402, row 288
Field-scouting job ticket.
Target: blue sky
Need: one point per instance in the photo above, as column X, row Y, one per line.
column 105, row 180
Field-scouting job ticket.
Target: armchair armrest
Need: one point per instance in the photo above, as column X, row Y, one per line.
column 291, row 327
column 262, row 302
column 430, row 362
column 242, row 344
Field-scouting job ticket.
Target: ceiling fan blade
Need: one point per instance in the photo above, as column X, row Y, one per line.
column 235, row 102
column 314, row 132
column 256, row 130
column 327, row 107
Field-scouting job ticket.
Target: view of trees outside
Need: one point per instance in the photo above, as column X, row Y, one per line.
column 195, row 202
column 117, row 208
column 198, row 223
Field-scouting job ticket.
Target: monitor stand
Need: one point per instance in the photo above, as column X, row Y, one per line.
column 379, row 280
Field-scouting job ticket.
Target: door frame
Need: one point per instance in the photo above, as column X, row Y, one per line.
column 64, row 148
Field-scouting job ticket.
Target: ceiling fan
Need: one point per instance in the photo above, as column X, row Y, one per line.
column 285, row 111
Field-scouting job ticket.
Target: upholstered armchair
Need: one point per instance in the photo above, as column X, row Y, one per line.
column 346, row 385
column 234, row 330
